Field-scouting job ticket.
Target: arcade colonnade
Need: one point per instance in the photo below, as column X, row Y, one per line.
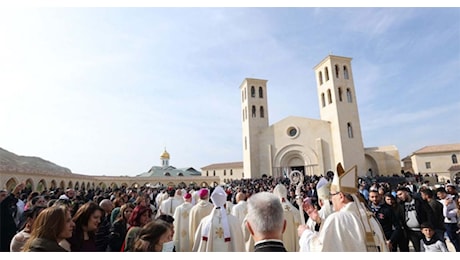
column 42, row 182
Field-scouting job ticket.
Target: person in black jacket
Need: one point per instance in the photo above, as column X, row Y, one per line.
column 119, row 228
column 416, row 211
column 387, row 218
column 7, row 224
column 438, row 216
column 265, row 222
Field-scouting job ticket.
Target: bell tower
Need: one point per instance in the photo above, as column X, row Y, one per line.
column 254, row 112
column 338, row 105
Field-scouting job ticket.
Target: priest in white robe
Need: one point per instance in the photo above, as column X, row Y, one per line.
column 346, row 229
column 219, row 231
column 181, row 225
column 201, row 209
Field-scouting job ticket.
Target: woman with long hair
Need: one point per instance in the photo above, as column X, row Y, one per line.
column 120, row 228
column 51, row 226
column 140, row 217
column 87, row 219
column 153, row 236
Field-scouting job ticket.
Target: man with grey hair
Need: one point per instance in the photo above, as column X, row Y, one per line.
column 265, row 221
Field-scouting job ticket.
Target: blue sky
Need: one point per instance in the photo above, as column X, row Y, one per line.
column 103, row 91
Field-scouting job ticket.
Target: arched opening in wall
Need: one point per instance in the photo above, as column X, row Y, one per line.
column 326, row 73
column 454, row 159
column 41, row 185
column 30, row 185
column 102, row 185
column 225, row 172
column 124, row 185
column 292, row 161
column 171, row 184
column 336, row 71
column 204, row 184
column 167, row 174
column 340, row 94
column 323, row 100
column 329, row 96
column 70, row 185
column 135, row 185
column 11, row 184
column 113, row 185
column 371, row 164
column 93, row 185
column 53, row 185
column 349, row 97
column 62, row 185
column 306, row 162
column 349, row 130
column 231, row 172
column 253, row 111
column 262, row 113
column 77, row 186
column 261, row 92
column 253, row 91
column 320, row 78
column 214, row 173
column 83, row 186
column 180, row 174
column 345, row 72
column 182, row 185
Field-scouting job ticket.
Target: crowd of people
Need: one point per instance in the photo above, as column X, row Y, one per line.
column 330, row 213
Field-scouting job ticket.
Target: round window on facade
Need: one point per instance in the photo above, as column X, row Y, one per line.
column 292, row 131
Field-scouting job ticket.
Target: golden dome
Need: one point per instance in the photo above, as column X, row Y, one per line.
column 164, row 155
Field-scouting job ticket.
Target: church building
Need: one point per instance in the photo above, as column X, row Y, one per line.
column 311, row 146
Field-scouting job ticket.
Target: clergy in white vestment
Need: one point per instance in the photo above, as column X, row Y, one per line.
column 201, row 209
column 322, row 190
column 292, row 216
column 168, row 206
column 240, row 210
column 219, row 231
column 181, row 225
column 345, row 230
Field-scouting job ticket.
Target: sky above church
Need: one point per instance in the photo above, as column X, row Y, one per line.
column 103, row 91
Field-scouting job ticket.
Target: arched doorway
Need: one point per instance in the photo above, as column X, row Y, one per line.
column 41, row 185
column 11, row 184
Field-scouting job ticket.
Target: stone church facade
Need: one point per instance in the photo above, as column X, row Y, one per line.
column 311, row 146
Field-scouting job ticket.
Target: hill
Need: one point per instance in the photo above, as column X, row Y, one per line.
column 10, row 162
